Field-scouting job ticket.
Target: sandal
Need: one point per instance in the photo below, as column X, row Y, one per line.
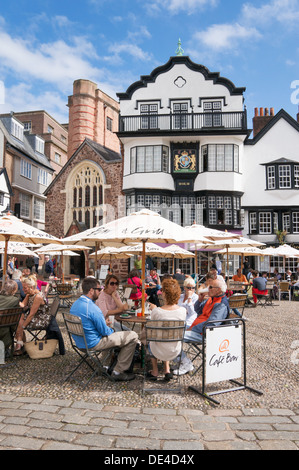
column 168, row 376
column 19, row 351
column 150, row 376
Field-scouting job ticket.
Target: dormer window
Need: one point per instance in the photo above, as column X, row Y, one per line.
column 39, row 145
column 17, row 130
column 282, row 174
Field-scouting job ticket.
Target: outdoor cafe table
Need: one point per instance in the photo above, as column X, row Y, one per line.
column 132, row 320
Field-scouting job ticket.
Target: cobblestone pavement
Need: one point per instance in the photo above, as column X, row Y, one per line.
column 38, row 410
column 51, row 424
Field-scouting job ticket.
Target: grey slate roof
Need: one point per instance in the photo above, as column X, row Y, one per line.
column 23, row 147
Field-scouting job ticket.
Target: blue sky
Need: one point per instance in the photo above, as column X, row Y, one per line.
column 46, row 45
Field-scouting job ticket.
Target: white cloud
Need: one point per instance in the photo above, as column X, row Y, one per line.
column 282, row 11
column 123, row 48
column 221, row 37
column 23, row 97
column 176, row 6
column 58, row 62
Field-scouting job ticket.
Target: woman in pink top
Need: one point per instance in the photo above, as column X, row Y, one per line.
column 110, row 302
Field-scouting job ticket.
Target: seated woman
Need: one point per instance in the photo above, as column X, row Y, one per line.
column 17, row 275
column 42, row 286
column 37, row 316
column 188, row 299
column 110, row 302
column 135, row 280
column 8, row 300
column 171, row 293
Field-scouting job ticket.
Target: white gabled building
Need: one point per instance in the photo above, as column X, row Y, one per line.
column 183, row 130
column 188, row 154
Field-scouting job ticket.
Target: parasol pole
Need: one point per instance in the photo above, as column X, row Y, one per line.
column 62, row 267
column 143, row 277
column 96, row 260
column 227, row 265
column 196, row 267
column 7, row 237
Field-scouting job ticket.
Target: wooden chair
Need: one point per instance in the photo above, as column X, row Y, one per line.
column 170, row 331
column 237, row 301
column 65, row 294
column 9, row 318
column 284, row 288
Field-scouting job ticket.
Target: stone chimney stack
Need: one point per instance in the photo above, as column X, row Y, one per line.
column 261, row 119
column 92, row 114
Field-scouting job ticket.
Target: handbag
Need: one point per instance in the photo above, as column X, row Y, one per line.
column 41, row 349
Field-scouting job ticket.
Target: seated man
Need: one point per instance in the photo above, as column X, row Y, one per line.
column 98, row 335
column 258, row 286
column 216, row 307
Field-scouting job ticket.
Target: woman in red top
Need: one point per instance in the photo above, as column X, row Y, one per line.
column 135, row 280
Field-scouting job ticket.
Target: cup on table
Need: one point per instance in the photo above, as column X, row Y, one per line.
column 139, row 312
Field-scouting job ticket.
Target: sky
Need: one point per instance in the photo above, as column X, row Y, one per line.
column 46, row 45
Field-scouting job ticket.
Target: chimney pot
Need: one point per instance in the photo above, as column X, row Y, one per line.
column 256, row 112
column 261, row 111
column 271, row 111
column 266, row 111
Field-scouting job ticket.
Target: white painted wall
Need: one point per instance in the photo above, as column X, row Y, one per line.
column 281, row 141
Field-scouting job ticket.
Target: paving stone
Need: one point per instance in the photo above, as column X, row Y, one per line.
column 20, row 442
column 218, row 436
column 51, row 434
column 114, row 431
column 137, row 444
column 231, row 445
column 277, row 435
column 183, row 445
column 277, row 445
column 95, row 440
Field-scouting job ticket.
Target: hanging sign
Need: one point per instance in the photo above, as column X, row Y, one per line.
column 223, row 358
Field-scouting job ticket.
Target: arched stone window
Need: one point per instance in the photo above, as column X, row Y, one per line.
column 85, row 195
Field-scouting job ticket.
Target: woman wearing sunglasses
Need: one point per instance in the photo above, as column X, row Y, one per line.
column 110, row 302
column 188, row 299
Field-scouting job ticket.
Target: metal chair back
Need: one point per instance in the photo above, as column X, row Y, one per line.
column 165, row 331
column 93, row 359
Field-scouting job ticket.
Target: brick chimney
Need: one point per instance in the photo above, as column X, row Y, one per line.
column 261, row 119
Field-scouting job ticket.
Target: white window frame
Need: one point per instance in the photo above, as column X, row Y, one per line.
column 25, row 203
column 284, row 176
column 39, row 210
column 40, row 145
column 265, row 223
column 42, row 177
column 26, row 169
column 271, row 177
column 17, row 130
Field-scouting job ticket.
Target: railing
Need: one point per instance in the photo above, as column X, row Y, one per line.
column 183, row 122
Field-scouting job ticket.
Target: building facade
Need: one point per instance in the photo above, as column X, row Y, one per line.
column 189, row 154
column 52, row 132
column 183, row 131
column 28, row 169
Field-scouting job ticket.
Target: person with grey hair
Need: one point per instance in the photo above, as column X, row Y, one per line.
column 215, row 308
column 17, row 275
column 188, row 299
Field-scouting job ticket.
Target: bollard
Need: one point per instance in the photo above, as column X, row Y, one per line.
column 2, row 353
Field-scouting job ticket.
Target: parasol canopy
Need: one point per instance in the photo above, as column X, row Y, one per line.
column 14, row 229
column 142, row 226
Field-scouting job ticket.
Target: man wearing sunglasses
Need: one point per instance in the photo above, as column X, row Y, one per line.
column 216, row 307
column 98, row 335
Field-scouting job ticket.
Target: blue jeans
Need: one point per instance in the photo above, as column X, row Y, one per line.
column 189, row 337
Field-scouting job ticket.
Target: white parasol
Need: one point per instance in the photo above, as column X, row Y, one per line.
column 14, row 229
column 61, row 250
column 143, row 226
column 15, row 248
